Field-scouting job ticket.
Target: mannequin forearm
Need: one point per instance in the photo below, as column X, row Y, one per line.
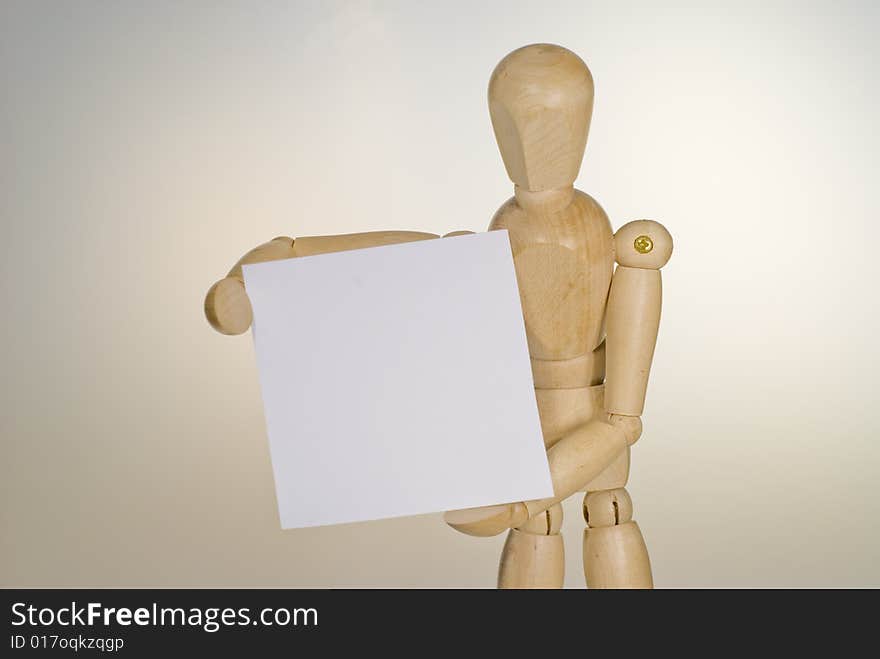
column 574, row 460
column 227, row 307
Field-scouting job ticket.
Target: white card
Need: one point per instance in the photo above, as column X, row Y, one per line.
column 396, row 381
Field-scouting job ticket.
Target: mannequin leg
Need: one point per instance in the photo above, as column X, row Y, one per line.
column 533, row 555
column 615, row 555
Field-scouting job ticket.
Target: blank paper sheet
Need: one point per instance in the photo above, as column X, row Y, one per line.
column 396, row 381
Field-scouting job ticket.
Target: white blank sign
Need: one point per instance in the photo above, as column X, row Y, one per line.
column 396, row 381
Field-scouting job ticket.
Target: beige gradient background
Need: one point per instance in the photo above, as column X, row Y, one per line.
column 145, row 146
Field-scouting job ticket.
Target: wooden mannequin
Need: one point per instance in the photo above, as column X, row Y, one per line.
column 591, row 336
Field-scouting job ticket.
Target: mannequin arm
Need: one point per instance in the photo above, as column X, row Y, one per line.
column 574, row 460
column 227, row 306
column 633, row 318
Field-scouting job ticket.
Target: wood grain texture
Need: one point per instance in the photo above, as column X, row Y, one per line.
column 574, row 460
column 607, row 508
column 577, row 458
column 547, row 523
column 564, row 262
column 616, row 557
column 487, row 521
column 630, row 425
column 561, row 411
column 614, row 475
column 641, row 248
column 633, row 322
column 584, row 371
column 531, row 561
column 533, row 554
column 541, row 102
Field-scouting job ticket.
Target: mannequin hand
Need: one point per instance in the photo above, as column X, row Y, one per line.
column 227, row 306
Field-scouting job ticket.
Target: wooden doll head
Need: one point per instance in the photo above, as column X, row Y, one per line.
column 541, row 101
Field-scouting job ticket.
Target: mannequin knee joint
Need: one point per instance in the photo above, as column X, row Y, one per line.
column 546, row 523
column 607, row 508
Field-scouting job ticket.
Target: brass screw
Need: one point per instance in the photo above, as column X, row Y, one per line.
column 643, row 244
